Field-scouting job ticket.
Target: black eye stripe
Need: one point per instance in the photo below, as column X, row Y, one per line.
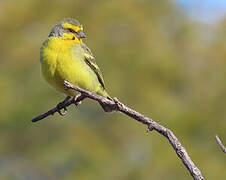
column 71, row 30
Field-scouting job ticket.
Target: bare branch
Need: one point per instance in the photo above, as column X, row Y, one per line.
column 52, row 111
column 114, row 105
column 223, row 148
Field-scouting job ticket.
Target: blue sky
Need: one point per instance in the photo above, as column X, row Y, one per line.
column 204, row 10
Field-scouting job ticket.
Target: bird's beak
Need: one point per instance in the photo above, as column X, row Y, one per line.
column 80, row 34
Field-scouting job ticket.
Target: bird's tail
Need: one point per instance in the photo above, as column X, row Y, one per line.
column 104, row 106
column 105, row 94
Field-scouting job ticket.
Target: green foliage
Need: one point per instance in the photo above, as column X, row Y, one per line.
column 153, row 58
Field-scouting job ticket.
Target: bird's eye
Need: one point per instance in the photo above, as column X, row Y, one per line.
column 73, row 38
column 71, row 30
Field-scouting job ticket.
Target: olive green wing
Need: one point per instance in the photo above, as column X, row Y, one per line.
column 91, row 62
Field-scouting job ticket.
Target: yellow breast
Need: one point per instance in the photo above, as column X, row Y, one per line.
column 63, row 60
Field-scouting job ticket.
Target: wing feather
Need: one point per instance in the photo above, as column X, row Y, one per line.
column 91, row 62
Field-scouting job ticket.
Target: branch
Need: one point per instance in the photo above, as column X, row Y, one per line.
column 114, row 105
column 52, row 111
column 223, row 148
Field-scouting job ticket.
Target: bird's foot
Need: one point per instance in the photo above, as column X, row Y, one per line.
column 62, row 105
column 78, row 99
column 78, row 103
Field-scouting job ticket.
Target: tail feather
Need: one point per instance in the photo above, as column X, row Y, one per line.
column 105, row 94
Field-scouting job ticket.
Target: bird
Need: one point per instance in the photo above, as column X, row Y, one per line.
column 65, row 57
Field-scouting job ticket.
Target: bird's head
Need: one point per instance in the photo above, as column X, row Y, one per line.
column 68, row 29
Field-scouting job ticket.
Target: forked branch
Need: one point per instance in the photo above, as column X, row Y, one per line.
column 114, row 105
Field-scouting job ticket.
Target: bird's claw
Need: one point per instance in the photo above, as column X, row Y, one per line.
column 149, row 128
column 61, row 106
column 78, row 103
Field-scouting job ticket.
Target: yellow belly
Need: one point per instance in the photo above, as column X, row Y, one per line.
column 62, row 60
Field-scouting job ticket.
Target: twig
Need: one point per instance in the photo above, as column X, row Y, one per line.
column 114, row 105
column 52, row 111
column 223, row 148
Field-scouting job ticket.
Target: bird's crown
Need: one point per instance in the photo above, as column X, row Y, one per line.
column 68, row 26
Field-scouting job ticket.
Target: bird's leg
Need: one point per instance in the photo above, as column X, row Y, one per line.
column 79, row 98
column 62, row 105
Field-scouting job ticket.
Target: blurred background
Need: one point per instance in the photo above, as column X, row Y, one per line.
column 165, row 59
